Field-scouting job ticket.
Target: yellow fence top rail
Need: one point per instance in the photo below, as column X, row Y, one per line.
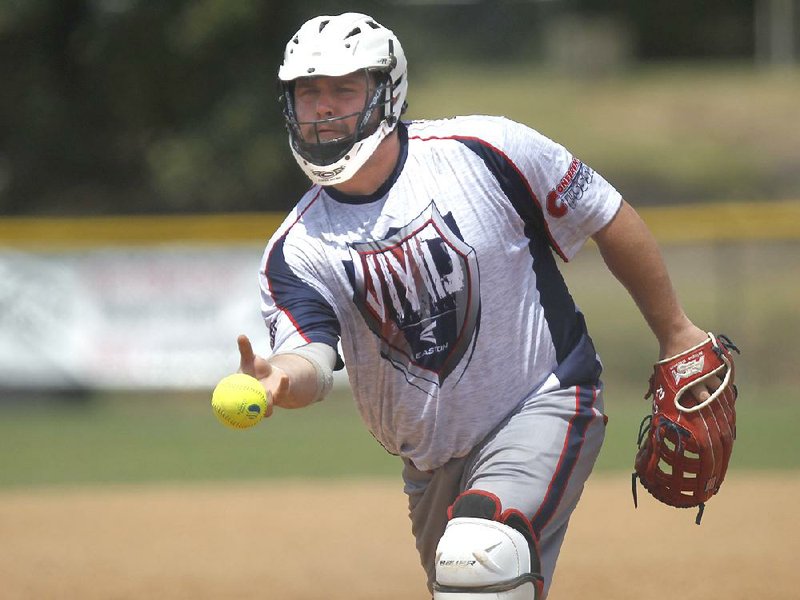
column 72, row 232
column 729, row 221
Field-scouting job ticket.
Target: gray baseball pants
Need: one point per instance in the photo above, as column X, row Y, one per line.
column 536, row 461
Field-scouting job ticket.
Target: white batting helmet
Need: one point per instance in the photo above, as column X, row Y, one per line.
column 335, row 46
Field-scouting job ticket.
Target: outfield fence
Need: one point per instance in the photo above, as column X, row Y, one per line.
column 157, row 301
column 725, row 221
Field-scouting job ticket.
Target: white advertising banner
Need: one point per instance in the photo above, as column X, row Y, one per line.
column 155, row 317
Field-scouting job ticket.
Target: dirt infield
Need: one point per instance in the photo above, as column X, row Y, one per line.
column 303, row 541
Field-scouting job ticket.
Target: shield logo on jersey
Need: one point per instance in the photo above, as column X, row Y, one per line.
column 418, row 291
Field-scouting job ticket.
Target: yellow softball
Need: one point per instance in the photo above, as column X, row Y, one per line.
column 239, row 401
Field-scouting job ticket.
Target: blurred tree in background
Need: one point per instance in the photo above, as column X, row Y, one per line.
column 140, row 106
column 128, row 106
column 668, row 29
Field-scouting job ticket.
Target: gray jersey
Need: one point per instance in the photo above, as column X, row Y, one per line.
column 443, row 285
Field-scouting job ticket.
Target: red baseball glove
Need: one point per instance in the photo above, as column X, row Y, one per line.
column 685, row 446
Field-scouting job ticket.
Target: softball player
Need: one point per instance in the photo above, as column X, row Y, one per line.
column 427, row 249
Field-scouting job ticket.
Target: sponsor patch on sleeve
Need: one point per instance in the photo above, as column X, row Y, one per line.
column 569, row 191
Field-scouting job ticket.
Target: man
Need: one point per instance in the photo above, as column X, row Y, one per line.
column 427, row 249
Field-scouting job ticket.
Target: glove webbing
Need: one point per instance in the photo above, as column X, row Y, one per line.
column 644, row 428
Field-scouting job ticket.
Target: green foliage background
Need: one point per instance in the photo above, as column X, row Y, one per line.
column 119, row 106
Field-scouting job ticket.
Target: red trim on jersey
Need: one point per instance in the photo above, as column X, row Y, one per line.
column 533, row 196
column 269, row 283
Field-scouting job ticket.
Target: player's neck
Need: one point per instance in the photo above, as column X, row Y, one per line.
column 376, row 170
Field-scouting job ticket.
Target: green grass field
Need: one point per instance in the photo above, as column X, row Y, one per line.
column 150, row 439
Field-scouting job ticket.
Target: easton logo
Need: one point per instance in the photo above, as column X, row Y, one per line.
column 427, row 334
column 570, row 189
column 418, row 291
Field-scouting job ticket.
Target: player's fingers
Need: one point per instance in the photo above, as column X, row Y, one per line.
column 247, row 358
column 702, row 391
column 270, row 406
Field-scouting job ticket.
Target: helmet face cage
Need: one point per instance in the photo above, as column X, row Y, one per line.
column 326, row 152
column 333, row 46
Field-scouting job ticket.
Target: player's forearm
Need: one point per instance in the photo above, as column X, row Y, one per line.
column 297, row 384
column 632, row 255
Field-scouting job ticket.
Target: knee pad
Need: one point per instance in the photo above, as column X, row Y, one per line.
column 481, row 557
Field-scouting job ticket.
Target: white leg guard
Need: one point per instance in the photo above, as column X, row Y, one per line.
column 479, row 559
